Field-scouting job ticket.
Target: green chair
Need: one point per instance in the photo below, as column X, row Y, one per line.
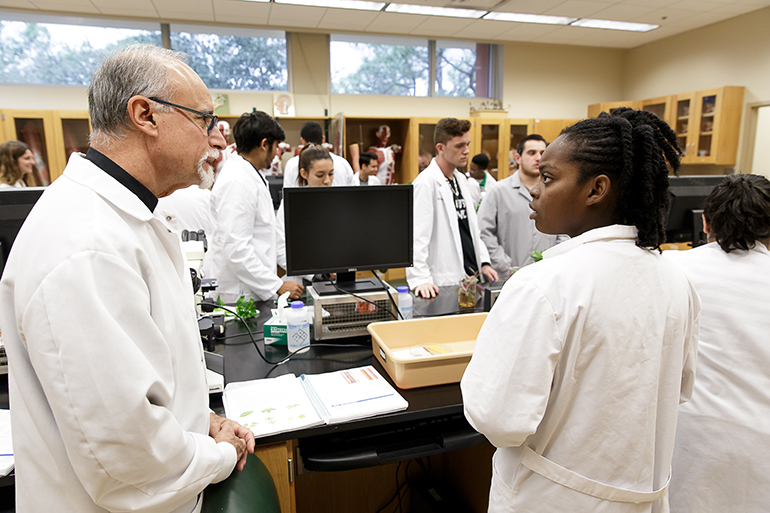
column 251, row 490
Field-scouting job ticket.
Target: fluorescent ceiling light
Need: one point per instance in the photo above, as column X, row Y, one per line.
column 434, row 11
column 613, row 25
column 529, row 18
column 339, row 4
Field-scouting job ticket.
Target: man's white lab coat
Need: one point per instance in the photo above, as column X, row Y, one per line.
column 107, row 378
column 722, row 453
column 438, row 251
column 243, row 250
column 584, row 359
column 343, row 173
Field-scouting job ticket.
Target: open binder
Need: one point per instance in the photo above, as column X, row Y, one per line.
column 287, row 403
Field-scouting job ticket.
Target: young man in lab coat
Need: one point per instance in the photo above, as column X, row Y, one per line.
column 446, row 234
column 106, row 372
column 243, row 252
column 312, row 133
column 506, row 229
column 722, row 452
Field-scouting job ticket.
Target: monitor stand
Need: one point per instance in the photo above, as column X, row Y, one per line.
column 347, row 283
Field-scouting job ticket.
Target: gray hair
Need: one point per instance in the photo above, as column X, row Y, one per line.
column 135, row 70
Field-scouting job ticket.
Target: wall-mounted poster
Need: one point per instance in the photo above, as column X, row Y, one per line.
column 283, row 105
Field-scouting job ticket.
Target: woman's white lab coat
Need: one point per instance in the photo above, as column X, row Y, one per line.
column 582, row 363
column 243, row 258
column 722, row 453
column 107, row 384
column 438, row 251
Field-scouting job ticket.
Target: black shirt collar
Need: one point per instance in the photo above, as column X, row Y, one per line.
column 122, row 176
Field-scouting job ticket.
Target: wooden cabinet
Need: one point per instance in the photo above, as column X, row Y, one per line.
column 363, row 132
column 52, row 136
column 707, row 123
column 595, row 109
column 279, row 460
column 36, row 129
column 551, row 128
column 488, row 136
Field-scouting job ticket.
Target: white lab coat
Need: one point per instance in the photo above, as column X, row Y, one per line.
column 584, row 359
column 722, row 453
column 243, row 257
column 188, row 209
column 343, row 173
column 438, row 252
column 372, row 180
column 106, row 376
column 474, row 186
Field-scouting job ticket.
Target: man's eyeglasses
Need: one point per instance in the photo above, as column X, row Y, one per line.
column 214, row 119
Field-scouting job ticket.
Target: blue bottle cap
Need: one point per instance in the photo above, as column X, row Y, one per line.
column 297, row 304
column 402, row 289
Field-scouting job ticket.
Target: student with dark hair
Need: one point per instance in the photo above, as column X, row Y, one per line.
column 369, row 166
column 446, row 235
column 243, row 250
column 312, row 133
column 482, row 180
column 722, row 452
column 579, row 369
column 506, row 229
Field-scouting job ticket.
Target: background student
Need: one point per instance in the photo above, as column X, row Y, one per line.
column 243, row 250
column 368, row 164
column 316, row 169
column 312, row 133
column 579, row 368
column 16, row 163
column 504, row 223
column 446, row 235
column 722, row 453
column 482, row 180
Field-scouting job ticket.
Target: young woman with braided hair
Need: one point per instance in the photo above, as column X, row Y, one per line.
column 580, row 366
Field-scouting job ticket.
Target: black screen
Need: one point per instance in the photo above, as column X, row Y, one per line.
column 688, row 194
column 344, row 229
column 15, row 205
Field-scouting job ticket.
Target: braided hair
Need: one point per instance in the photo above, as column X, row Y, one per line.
column 631, row 147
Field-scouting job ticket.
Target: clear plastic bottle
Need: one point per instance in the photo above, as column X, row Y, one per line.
column 404, row 302
column 297, row 327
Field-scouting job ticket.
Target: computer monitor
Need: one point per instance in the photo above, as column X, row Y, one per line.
column 347, row 229
column 15, row 205
column 688, row 194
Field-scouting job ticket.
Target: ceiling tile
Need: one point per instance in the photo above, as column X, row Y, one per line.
column 696, row 5
column 441, row 27
column 141, row 8
column 672, row 16
column 614, row 38
column 346, row 20
column 234, row 11
column 529, row 7
column 484, row 29
column 396, row 23
column 527, row 32
column 198, row 10
column 623, row 12
column 18, row 4
column 80, row 6
column 576, row 9
column 295, row 16
column 563, row 35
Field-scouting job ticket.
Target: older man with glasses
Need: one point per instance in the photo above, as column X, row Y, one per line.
column 107, row 380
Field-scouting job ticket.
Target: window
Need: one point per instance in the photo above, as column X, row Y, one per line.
column 372, row 65
column 401, row 66
column 235, row 58
column 462, row 69
column 34, row 51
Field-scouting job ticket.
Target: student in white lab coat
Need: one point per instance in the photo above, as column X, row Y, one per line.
column 243, row 251
column 316, row 169
column 106, row 373
column 312, row 133
column 369, row 166
column 579, row 369
column 447, row 245
column 722, row 452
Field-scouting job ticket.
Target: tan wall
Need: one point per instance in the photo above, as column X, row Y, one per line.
column 732, row 52
column 556, row 81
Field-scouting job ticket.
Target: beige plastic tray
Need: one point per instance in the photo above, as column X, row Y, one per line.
column 398, row 344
